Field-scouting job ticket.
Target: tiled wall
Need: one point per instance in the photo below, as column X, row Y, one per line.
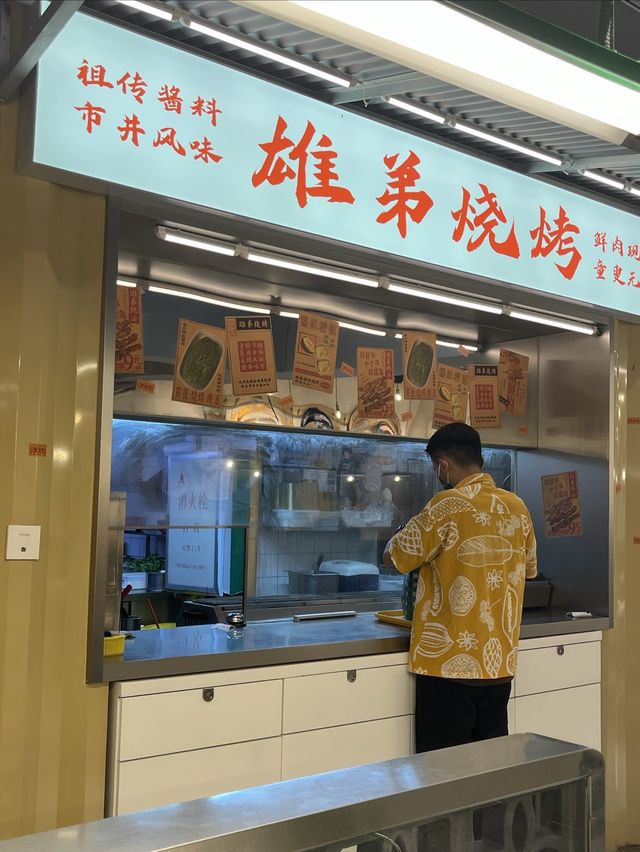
column 281, row 551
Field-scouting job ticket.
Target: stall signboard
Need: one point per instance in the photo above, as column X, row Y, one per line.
column 129, row 341
column 121, row 108
column 419, row 359
column 375, row 382
column 452, row 396
column 251, row 355
column 513, row 374
column 201, row 358
column 314, row 362
column 561, row 503
column 483, row 397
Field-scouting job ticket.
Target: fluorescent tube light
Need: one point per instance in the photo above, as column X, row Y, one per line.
column 149, row 8
column 504, row 142
column 312, row 268
column 276, row 56
column 444, row 42
column 197, row 241
column 417, row 109
column 446, row 299
column 290, row 314
column 554, row 322
column 634, row 190
column 375, row 331
column 122, row 282
column 197, row 297
column 449, row 344
column 616, row 184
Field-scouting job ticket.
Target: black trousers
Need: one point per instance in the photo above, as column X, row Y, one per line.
column 449, row 713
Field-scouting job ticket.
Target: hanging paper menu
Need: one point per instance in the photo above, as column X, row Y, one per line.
column 561, row 502
column 483, row 395
column 314, row 361
column 513, row 375
column 129, row 345
column 451, row 396
column 251, row 355
column 375, row 382
column 419, row 351
column 201, row 357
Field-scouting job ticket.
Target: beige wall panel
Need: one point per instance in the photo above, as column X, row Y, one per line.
column 52, row 725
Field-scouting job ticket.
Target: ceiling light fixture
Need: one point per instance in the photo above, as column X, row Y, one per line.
column 377, row 332
column 416, row 109
column 149, row 8
column 504, row 142
column 290, row 314
column 197, row 241
column 123, row 282
column 274, row 55
column 211, row 300
column 450, row 344
column 612, row 182
column 446, row 299
column 634, row 190
column 312, row 268
column 553, row 322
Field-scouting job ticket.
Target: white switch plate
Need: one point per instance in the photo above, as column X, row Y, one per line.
column 23, row 542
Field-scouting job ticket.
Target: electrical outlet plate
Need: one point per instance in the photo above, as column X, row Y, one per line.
column 23, row 542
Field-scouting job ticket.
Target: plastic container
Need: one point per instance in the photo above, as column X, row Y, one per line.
column 136, row 579
column 114, row 645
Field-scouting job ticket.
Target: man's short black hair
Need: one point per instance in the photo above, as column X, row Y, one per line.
column 458, row 441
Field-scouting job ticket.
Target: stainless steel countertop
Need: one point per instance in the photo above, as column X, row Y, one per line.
column 321, row 809
column 190, row 650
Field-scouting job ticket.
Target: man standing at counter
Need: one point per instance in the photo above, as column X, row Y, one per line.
column 473, row 545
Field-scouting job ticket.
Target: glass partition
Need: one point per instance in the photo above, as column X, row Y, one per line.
column 276, row 513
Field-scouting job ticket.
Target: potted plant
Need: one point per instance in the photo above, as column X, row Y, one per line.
column 154, row 566
column 133, row 574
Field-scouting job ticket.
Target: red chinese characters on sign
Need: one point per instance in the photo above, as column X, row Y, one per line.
column 483, row 223
column 169, row 138
column 93, row 75
column 403, row 200
column 134, row 85
column 617, row 275
column 205, row 151
column 275, row 169
column 633, row 251
column 131, row 129
column 600, row 269
column 169, row 96
column 617, row 246
column 558, row 240
column 600, row 239
column 253, row 356
column 91, row 115
column 201, row 107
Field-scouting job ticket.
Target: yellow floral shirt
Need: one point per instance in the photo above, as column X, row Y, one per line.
column 474, row 545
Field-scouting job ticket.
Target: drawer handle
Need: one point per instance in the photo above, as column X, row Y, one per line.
column 352, row 674
column 560, row 650
column 207, row 694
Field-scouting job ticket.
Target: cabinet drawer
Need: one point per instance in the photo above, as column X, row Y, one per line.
column 157, row 781
column 568, row 714
column 349, row 745
column 322, row 701
column 544, row 669
column 178, row 721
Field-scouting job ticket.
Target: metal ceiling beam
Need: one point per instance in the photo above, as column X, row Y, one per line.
column 616, row 162
column 47, row 28
column 398, row 84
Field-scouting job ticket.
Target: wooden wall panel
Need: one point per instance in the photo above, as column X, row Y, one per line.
column 52, row 725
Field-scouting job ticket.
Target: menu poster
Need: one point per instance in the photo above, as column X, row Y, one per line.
column 419, row 359
column 483, row 395
column 451, row 397
column 561, row 503
column 314, row 361
column 375, row 382
column 513, row 375
column 201, row 358
column 251, row 355
column 129, row 345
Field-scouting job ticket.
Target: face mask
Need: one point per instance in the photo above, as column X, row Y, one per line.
column 446, row 484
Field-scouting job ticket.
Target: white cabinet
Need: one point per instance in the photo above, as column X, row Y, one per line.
column 557, row 688
column 347, row 745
